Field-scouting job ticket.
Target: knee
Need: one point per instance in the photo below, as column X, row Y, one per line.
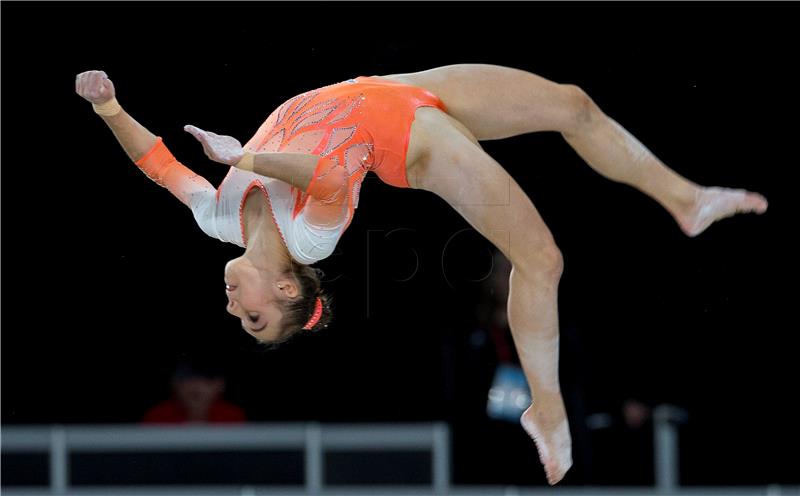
column 544, row 262
column 580, row 108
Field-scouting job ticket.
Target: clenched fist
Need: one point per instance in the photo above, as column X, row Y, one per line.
column 95, row 87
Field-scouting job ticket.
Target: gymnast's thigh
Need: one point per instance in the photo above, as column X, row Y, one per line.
column 448, row 162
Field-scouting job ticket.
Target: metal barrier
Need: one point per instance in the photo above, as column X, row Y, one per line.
column 314, row 440
column 665, row 442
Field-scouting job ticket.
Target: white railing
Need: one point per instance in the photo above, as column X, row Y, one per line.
column 314, row 440
column 665, row 446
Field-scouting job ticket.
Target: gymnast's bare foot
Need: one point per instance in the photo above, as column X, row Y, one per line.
column 548, row 427
column 713, row 204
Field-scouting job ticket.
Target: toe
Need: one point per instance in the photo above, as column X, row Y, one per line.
column 756, row 203
column 554, row 475
column 763, row 204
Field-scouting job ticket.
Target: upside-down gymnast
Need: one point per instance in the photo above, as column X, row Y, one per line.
column 292, row 190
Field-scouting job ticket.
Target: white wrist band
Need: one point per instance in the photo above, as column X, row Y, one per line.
column 108, row 109
column 247, row 162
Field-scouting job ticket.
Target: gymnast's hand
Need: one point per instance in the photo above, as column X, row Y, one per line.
column 222, row 149
column 94, row 86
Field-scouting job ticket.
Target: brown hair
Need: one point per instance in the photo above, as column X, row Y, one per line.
column 298, row 310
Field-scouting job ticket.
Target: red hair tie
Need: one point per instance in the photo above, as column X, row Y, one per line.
column 314, row 316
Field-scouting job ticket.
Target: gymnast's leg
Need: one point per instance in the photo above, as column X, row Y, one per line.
column 445, row 159
column 496, row 102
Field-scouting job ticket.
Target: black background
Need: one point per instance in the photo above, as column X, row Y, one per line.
column 106, row 279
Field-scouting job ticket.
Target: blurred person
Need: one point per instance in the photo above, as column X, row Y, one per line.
column 635, row 443
column 197, row 397
column 292, row 189
column 635, row 413
column 622, row 435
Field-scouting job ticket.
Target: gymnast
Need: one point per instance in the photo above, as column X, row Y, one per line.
column 292, row 190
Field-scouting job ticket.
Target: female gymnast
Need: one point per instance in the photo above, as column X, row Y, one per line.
column 292, row 190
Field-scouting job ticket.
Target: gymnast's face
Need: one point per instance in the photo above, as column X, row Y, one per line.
column 255, row 296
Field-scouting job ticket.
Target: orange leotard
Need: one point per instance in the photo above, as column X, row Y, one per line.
column 355, row 127
column 360, row 125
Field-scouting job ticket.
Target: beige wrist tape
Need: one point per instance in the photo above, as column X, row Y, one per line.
column 247, row 162
column 108, row 109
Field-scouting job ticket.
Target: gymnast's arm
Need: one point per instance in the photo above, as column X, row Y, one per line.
column 144, row 148
column 317, row 176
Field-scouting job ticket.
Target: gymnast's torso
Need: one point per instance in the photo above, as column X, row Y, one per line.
column 357, row 126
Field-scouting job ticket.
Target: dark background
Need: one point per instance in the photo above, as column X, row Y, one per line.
column 106, row 279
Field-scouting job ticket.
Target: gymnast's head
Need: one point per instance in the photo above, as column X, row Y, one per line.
column 275, row 305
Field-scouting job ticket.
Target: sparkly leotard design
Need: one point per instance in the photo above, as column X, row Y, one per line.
column 355, row 126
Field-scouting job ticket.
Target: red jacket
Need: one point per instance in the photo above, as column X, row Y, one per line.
column 171, row 412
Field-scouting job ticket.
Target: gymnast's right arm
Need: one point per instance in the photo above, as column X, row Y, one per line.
column 144, row 148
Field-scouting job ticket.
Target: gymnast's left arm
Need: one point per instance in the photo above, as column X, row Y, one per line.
column 317, row 176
